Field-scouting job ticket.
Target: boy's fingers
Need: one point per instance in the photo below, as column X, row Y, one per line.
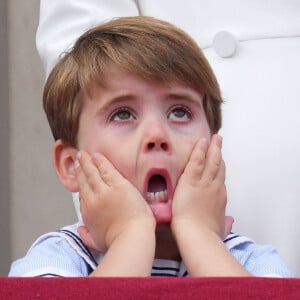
column 222, row 172
column 87, row 173
column 84, row 188
column 107, row 171
column 213, row 159
column 196, row 163
column 81, row 179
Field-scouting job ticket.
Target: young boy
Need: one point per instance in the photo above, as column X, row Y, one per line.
column 135, row 109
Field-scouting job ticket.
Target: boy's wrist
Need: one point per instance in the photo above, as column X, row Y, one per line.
column 131, row 253
column 187, row 229
column 140, row 228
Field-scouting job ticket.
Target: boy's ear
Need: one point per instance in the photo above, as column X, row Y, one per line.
column 64, row 158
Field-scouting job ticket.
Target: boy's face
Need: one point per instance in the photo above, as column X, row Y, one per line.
column 147, row 131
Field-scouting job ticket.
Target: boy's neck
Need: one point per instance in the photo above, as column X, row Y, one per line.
column 166, row 247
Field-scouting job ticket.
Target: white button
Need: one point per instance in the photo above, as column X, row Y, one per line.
column 224, row 44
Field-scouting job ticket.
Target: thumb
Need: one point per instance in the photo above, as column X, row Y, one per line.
column 228, row 225
column 86, row 237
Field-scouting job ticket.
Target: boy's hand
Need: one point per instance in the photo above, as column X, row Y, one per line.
column 86, row 237
column 229, row 220
column 199, row 221
column 109, row 204
column 200, row 197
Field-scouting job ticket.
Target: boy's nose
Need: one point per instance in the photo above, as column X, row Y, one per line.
column 156, row 138
column 158, row 146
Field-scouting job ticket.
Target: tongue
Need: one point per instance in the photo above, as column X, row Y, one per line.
column 156, row 184
column 162, row 212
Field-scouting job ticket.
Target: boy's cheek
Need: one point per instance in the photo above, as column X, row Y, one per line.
column 124, row 165
column 187, row 152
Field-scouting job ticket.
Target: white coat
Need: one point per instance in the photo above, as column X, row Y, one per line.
column 254, row 48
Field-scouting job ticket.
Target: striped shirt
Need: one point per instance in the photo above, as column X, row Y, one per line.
column 63, row 254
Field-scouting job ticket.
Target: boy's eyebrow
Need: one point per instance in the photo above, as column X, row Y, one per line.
column 116, row 100
column 183, row 95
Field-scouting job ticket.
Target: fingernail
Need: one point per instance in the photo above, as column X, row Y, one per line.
column 76, row 164
column 220, row 138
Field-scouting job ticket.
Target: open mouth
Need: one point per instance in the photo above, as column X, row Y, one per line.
column 157, row 189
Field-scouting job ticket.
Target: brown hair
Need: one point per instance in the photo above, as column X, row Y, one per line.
column 144, row 46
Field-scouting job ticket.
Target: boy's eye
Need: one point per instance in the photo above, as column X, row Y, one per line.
column 180, row 114
column 122, row 114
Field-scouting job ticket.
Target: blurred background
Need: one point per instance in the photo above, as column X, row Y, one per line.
column 32, row 201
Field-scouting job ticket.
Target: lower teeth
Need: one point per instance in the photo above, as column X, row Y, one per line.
column 157, row 196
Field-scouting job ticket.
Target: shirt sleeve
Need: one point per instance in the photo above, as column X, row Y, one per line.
column 62, row 22
column 52, row 258
column 261, row 260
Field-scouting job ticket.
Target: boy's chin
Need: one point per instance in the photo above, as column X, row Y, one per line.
column 162, row 212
